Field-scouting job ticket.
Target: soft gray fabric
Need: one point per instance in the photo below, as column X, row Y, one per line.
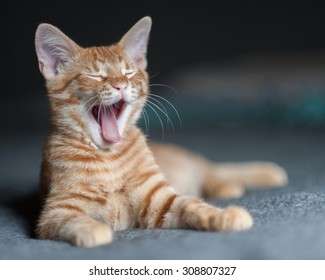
column 289, row 222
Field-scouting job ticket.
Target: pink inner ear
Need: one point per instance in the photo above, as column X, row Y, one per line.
column 136, row 47
column 41, row 66
column 52, row 57
column 139, row 60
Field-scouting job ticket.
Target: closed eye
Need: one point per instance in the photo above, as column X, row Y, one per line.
column 129, row 73
column 95, row 77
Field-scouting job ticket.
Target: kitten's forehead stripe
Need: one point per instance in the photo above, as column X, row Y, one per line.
column 102, row 68
column 93, row 67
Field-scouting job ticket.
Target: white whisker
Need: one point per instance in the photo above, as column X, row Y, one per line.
column 111, row 109
column 90, row 99
column 148, row 120
column 145, row 121
column 168, row 118
column 154, row 75
column 163, row 85
column 170, row 104
column 92, row 105
column 162, row 105
column 99, row 112
column 175, row 91
column 161, row 123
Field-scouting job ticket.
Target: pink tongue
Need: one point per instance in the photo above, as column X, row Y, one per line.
column 109, row 126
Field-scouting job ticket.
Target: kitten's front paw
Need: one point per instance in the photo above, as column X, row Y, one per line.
column 90, row 236
column 207, row 217
column 233, row 219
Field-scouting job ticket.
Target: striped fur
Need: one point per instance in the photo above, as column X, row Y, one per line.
column 91, row 187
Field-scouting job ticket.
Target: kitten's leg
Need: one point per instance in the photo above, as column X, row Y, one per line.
column 252, row 174
column 231, row 180
column 223, row 190
column 69, row 222
column 192, row 213
column 160, row 206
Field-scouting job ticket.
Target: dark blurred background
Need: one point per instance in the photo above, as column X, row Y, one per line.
column 229, row 61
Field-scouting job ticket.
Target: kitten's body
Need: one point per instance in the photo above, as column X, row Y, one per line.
column 98, row 172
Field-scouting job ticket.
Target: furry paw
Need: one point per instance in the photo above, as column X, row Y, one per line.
column 270, row 175
column 92, row 235
column 233, row 219
column 202, row 216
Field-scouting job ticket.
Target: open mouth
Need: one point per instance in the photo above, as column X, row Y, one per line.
column 107, row 117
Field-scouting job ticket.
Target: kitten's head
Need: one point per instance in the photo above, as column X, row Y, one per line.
column 97, row 92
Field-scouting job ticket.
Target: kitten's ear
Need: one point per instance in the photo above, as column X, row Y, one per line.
column 135, row 42
column 54, row 49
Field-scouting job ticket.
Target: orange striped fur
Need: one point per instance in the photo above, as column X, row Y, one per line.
column 98, row 173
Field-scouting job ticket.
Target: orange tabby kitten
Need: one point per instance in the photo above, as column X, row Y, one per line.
column 98, row 174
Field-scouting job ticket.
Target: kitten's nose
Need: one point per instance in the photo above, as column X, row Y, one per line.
column 120, row 86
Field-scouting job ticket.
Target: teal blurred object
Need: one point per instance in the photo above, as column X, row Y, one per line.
column 287, row 90
column 308, row 110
